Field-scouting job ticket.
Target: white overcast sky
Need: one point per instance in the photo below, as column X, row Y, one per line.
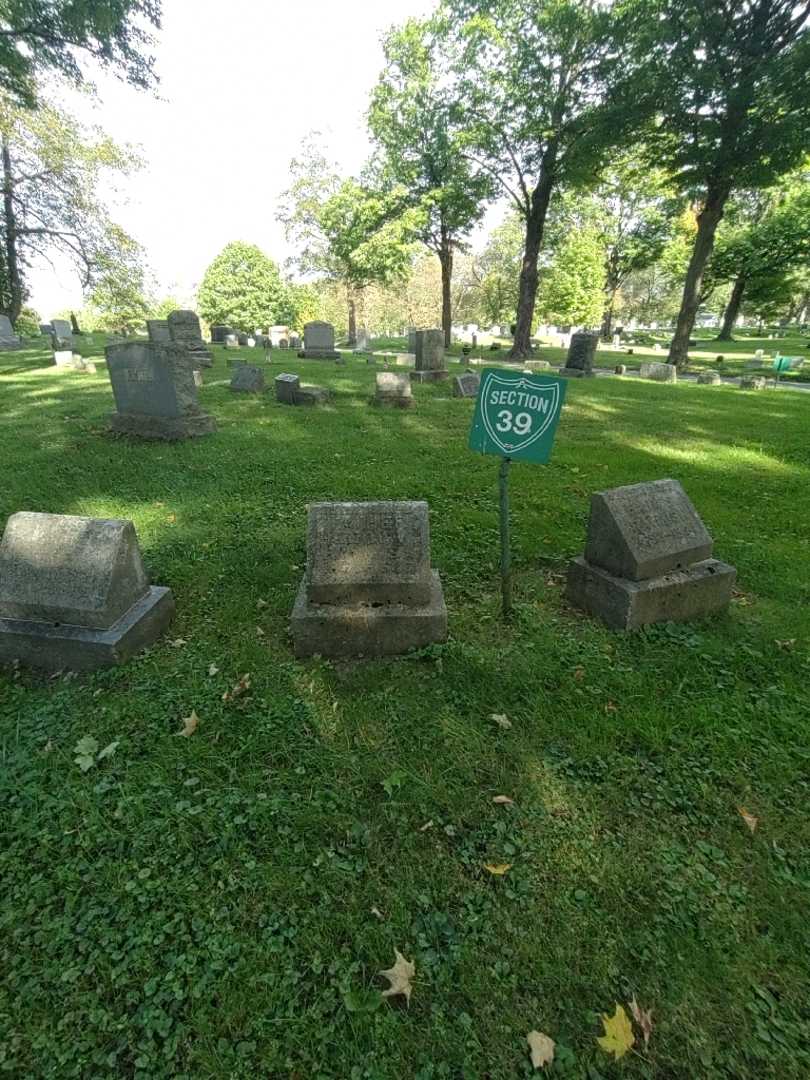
column 242, row 84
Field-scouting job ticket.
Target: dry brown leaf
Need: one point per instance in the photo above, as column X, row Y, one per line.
column 749, row 819
column 189, row 724
column 579, row 673
column 178, row 643
column 643, row 1017
column 501, row 720
column 171, row 518
column 503, row 800
column 238, row 689
column 611, row 706
column 541, row 1048
column 399, row 977
column 498, row 869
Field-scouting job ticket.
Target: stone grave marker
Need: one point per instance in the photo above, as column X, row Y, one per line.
column 184, row 330
column 242, row 339
column 63, row 358
column 363, row 340
column 219, row 333
column 659, row 372
column 647, row 559
column 393, row 389
column 753, row 382
column 368, row 589
column 276, row 335
column 231, row 341
column 74, row 593
column 466, row 386
column 290, row 391
column 45, row 329
column 412, row 340
column 620, row 369
column 62, row 334
column 158, row 330
column 430, row 363
column 155, row 392
column 537, row 365
column 709, row 378
column 319, row 341
column 247, row 379
column 8, row 339
column 581, row 351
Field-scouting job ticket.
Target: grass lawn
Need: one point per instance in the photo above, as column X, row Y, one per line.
column 219, row 906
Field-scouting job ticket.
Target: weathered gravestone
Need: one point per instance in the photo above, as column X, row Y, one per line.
column 62, row 334
column 363, row 341
column 709, row 378
column 581, row 351
column 412, row 340
column 219, row 333
column 648, row 559
column 430, row 364
column 393, row 389
column 242, row 339
column 537, row 365
column 753, row 382
column 184, row 330
column 319, row 341
column 247, row 379
column 368, row 589
column 620, row 369
column 74, row 593
column 231, row 341
column 277, row 333
column 466, row 385
column 8, row 339
column 155, row 393
column 290, row 391
column 45, row 328
column 158, row 330
column 659, row 372
column 63, row 358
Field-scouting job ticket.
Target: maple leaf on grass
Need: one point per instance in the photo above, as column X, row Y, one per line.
column 541, row 1048
column 238, row 689
column 189, row 725
column 399, row 977
column 618, row 1037
column 502, row 800
column 749, row 819
column 643, row 1017
column 497, row 869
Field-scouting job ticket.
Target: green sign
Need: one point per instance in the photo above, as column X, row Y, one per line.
column 782, row 363
column 516, row 414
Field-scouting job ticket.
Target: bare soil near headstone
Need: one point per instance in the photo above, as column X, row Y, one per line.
column 218, row 903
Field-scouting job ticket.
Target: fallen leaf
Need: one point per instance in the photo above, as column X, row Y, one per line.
column 238, row 689
column 376, row 911
column 178, row 643
column 787, row 644
column 643, row 1017
column 261, row 603
column 85, row 751
column 171, row 518
column 213, row 670
column 259, row 632
column 498, row 869
column 48, row 747
column 579, row 673
column 618, row 1037
column 426, row 826
column 501, row 720
column 541, row 1048
column 108, row 751
column 189, row 724
column 503, row 800
column 611, row 706
column 749, row 819
column 399, row 977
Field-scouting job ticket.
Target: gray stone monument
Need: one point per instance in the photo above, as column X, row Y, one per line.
column 155, row 393
column 537, row 365
column 247, row 379
column 63, row 358
column 158, row 330
column 368, row 589
column 45, row 329
column 219, row 333
column 62, row 334
column 295, row 341
column 290, row 391
column 659, row 372
column 581, row 351
column 648, row 559
column 466, row 385
column 231, row 341
column 319, row 341
column 8, row 339
column 393, row 389
column 412, row 340
column 74, row 593
column 753, row 382
column 709, row 378
column 430, row 364
column 184, row 330
column 363, row 341
column 279, row 332
column 620, row 369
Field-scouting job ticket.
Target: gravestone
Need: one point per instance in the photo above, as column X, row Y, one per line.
column 74, row 593
column 393, row 389
column 537, row 365
column 466, row 385
column 231, row 341
column 62, row 334
column 277, row 333
column 581, row 351
column 290, row 391
column 620, row 369
column 647, row 559
column 430, row 363
column 659, row 372
column 295, row 341
column 158, row 330
column 247, row 379
column 368, row 589
column 319, row 341
column 363, row 341
column 8, row 339
column 753, row 382
column 242, row 339
column 155, row 393
column 412, row 340
column 709, row 378
column 184, row 330
column 45, row 329
column 63, row 358
column 219, row 333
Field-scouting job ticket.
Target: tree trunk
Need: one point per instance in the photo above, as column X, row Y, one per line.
column 352, row 316
column 446, row 259
column 607, row 316
column 535, row 225
column 708, row 220
column 732, row 309
column 16, row 292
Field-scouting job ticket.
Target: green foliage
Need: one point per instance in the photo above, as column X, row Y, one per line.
column 163, row 308
column 499, row 270
column 572, row 287
column 42, row 36
column 242, row 288
column 117, row 301
column 27, row 324
column 306, row 305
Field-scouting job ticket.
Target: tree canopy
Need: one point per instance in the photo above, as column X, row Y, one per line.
column 242, row 288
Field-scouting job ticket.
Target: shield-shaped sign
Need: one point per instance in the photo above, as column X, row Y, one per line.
column 516, row 414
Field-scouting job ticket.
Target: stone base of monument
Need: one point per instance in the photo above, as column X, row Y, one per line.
column 659, row 372
column 678, row 596
column 319, row 354
column 753, row 382
column 360, row 630
column 436, row 375
column 575, row 373
column 53, row 646
column 709, row 378
column 63, row 358
column 141, row 426
column 310, row 395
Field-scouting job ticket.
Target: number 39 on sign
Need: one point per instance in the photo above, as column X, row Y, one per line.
column 516, row 414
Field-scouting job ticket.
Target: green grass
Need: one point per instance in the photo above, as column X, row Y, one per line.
column 202, row 907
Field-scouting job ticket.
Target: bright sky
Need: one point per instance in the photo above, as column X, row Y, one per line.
column 242, row 84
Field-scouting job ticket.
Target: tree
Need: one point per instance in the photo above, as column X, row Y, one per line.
column 726, row 84
column 37, row 36
column 414, row 121
column 242, row 288
column 532, row 82
column 346, row 230
column 117, row 300
column 499, row 271
column 572, row 289
column 52, row 173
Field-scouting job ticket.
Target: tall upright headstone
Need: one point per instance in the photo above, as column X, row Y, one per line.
column 8, row 339
column 368, row 589
column 219, row 333
column 158, row 330
column 581, row 351
column 184, row 330
column 430, row 363
column 319, row 341
column 648, row 559
column 247, row 379
column 155, row 392
column 62, row 334
column 74, row 593
column 363, row 340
